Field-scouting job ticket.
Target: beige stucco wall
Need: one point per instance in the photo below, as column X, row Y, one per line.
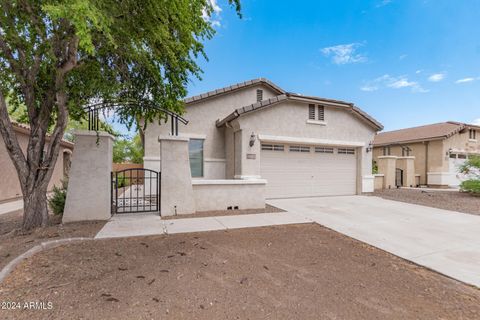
column 202, row 117
column 221, row 194
column 438, row 155
column 89, row 185
column 10, row 186
column 419, row 151
column 289, row 119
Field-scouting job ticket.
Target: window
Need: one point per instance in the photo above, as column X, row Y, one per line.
column 259, row 95
column 273, row 147
column 386, row 151
column 299, row 149
column 406, row 151
column 462, row 156
column 323, row 150
column 346, row 151
column 453, row 156
column 473, row 134
column 195, row 150
column 321, row 113
column 311, row 111
column 316, row 112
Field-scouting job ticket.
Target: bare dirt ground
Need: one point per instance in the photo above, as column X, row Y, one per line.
column 14, row 242
column 448, row 200
column 268, row 209
column 283, row 272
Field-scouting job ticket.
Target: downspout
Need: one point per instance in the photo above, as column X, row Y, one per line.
column 426, row 162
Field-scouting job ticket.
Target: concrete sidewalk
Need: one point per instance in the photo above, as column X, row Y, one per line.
column 148, row 224
column 11, row 206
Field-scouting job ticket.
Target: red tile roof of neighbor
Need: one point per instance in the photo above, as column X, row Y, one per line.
column 24, row 128
column 423, row 133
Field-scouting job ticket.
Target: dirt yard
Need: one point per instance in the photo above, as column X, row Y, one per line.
column 13, row 242
column 283, row 272
column 448, row 200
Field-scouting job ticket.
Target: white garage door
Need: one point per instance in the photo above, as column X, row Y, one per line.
column 308, row 171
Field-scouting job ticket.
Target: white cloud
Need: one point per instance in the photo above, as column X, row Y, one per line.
column 216, row 11
column 436, row 77
column 388, row 81
column 465, row 80
column 476, row 122
column 403, row 56
column 344, row 53
column 383, row 3
column 418, row 71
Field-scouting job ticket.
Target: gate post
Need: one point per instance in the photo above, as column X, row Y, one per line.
column 176, row 179
column 89, row 185
column 387, row 166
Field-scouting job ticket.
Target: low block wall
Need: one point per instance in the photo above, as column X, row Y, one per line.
column 212, row 195
column 379, row 181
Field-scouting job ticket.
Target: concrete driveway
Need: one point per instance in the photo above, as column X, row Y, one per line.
column 445, row 241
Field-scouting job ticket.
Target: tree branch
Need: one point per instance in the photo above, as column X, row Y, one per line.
column 11, row 142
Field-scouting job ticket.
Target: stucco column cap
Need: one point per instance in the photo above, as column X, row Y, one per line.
column 407, row 158
column 387, row 157
column 93, row 133
column 172, row 138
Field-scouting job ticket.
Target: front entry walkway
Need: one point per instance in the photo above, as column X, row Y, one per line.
column 445, row 241
column 131, row 225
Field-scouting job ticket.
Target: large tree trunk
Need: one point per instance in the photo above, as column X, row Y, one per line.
column 35, row 208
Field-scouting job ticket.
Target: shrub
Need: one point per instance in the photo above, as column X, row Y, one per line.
column 374, row 167
column 472, row 186
column 471, row 169
column 57, row 200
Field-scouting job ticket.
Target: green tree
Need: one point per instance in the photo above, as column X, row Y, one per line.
column 59, row 55
column 128, row 150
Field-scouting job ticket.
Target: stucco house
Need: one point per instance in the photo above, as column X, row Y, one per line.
column 10, row 187
column 301, row 146
column 437, row 149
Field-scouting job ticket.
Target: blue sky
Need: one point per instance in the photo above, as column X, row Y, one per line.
column 406, row 62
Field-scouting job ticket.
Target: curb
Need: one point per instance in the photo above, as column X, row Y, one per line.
column 36, row 249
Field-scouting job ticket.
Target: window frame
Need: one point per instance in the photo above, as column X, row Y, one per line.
column 301, row 149
column 326, row 150
column 272, row 147
column 202, row 157
column 472, row 134
column 259, row 95
column 346, row 151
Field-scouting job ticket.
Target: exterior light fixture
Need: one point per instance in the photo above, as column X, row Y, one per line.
column 252, row 139
column 370, row 147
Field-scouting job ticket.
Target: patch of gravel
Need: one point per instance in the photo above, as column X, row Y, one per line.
column 216, row 213
column 447, row 200
column 282, row 272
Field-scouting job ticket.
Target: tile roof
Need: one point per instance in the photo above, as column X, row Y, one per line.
column 233, row 88
column 297, row 97
column 423, row 133
column 24, row 128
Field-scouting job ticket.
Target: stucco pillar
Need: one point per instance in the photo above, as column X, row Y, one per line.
column 249, row 155
column 387, row 166
column 89, row 184
column 407, row 164
column 176, row 195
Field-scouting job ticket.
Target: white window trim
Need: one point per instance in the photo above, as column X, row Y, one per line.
column 317, row 122
column 309, row 141
column 472, row 140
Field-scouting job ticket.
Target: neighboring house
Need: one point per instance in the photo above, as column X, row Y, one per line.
column 303, row 146
column 10, row 186
column 439, row 149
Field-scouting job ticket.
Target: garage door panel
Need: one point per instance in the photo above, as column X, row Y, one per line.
column 302, row 174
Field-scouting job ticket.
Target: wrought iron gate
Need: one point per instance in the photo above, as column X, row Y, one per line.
column 399, row 178
column 135, row 190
